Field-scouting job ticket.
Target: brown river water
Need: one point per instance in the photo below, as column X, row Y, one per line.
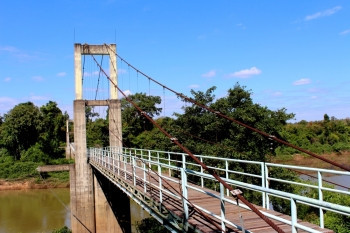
column 43, row 210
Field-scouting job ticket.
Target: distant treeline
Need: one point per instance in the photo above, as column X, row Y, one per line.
column 32, row 134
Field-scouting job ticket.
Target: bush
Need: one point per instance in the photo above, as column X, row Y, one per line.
column 34, row 154
column 64, row 229
column 18, row 170
column 150, row 225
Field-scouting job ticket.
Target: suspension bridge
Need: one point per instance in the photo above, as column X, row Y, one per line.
column 183, row 191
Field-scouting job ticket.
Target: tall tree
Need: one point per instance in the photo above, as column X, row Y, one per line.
column 53, row 133
column 133, row 121
column 21, row 128
column 238, row 105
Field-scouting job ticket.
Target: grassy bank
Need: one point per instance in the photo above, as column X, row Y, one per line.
column 16, row 175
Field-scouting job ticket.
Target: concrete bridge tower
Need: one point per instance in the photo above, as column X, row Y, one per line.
column 90, row 211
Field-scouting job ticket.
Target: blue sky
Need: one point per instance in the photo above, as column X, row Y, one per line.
column 290, row 54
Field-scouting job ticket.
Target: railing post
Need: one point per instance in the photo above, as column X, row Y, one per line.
column 293, row 210
column 267, row 198
column 222, row 202
column 149, row 159
column 120, row 156
column 320, row 197
column 133, row 170
column 184, row 190
column 169, row 169
column 113, row 160
column 125, row 161
column 160, row 182
column 226, row 171
column 202, row 179
column 263, row 182
column 144, row 178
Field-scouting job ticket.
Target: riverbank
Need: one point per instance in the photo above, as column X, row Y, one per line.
column 31, row 183
column 309, row 161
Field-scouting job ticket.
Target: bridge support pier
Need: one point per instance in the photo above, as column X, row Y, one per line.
column 90, row 209
column 81, row 178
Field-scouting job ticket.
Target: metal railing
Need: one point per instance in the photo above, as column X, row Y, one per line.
column 258, row 177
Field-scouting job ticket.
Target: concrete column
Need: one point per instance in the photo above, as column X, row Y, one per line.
column 106, row 221
column 78, row 72
column 113, row 70
column 83, row 211
column 115, row 124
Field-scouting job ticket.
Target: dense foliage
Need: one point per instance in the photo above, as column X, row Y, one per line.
column 329, row 135
column 30, row 136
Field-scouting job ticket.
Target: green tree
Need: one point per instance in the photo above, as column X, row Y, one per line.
column 53, row 133
column 21, row 128
column 238, row 105
column 97, row 133
column 133, row 122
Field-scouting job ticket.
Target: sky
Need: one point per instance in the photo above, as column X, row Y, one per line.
column 290, row 54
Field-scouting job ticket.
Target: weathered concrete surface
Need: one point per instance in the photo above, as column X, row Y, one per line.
column 53, row 168
column 82, row 190
column 91, row 211
column 115, row 123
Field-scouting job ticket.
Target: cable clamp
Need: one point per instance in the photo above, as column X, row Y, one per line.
column 217, row 112
column 143, row 113
column 236, row 192
column 173, row 139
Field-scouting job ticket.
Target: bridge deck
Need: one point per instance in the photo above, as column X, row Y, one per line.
column 250, row 220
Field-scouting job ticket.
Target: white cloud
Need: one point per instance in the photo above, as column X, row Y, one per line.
column 15, row 52
column 90, row 74
column 209, row 74
column 245, row 73
column 38, row 78
column 241, row 25
column 7, row 79
column 324, row 13
column 38, row 98
column 122, row 71
column 302, row 81
column 194, row 86
column 61, row 74
column 277, row 93
column 345, row 32
column 127, row 93
column 6, row 104
column 9, row 49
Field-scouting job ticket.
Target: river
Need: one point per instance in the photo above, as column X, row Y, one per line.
column 43, row 210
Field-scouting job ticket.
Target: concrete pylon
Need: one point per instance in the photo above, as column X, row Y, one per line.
column 90, row 210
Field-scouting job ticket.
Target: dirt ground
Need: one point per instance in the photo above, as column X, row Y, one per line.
column 309, row 161
column 29, row 184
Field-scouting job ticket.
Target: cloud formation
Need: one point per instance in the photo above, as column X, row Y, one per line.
column 127, row 92
column 246, row 73
column 7, row 79
column 38, row 78
column 302, row 81
column 61, row 74
column 15, row 52
column 344, row 32
column 324, row 13
column 209, row 74
column 194, row 86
